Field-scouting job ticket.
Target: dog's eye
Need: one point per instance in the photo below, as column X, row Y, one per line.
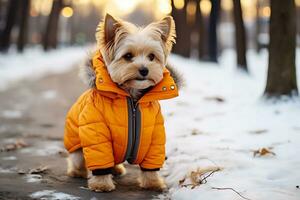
column 151, row 56
column 128, row 56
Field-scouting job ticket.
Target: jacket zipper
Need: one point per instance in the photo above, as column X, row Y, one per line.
column 133, row 121
column 133, row 104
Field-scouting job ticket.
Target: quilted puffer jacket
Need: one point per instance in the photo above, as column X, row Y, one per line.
column 111, row 128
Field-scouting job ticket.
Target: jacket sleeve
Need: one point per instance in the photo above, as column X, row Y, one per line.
column 71, row 137
column 95, row 138
column 155, row 156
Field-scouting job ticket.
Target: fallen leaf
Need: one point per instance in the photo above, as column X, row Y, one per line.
column 196, row 132
column 39, row 170
column 181, row 181
column 263, row 152
column 198, row 177
column 21, row 171
column 18, row 144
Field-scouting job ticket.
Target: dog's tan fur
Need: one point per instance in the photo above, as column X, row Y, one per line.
column 152, row 181
column 76, row 165
column 115, row 39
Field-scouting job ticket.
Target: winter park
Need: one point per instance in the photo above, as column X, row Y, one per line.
column 156, row 99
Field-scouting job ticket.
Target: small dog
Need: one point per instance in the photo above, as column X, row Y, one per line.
column 120, row 118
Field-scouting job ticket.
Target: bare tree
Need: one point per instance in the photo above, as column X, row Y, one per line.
column 13, row 7
column 282, row 69
column 240, row 35
column 183, row 41
column 202, row 35
column 23, row 31
column 257, row 27
column 50, row 35
column 212, row 37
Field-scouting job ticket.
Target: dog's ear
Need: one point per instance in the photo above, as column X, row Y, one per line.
column 106, row 31
column 168, row 33
column 106, row 34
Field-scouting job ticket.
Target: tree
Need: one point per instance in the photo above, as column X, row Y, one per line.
column 202, row 34
column 23, row 31
column 11, row 16
column 240, row 35
column 257, row 27
column 282, row 69
column 212, row 29
column 50, row 35
column 183, row 40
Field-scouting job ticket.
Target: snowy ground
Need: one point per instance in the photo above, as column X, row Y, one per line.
column 219, row 120
column 35, row 63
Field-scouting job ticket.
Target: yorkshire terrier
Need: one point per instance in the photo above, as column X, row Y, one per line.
column 119, row 118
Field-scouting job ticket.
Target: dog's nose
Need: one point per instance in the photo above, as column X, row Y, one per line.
column 144, row 71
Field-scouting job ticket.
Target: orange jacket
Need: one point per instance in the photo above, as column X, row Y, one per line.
column 110, row 128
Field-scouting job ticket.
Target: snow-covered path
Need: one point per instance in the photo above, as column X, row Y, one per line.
column 219, row 120
column 35, row 63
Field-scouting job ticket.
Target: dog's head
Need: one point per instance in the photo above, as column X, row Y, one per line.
column 135, row 56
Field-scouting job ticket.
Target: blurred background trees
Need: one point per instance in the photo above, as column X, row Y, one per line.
column 282, row 66
column 205, row 28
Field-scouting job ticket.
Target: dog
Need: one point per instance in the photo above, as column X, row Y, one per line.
column 120, row 118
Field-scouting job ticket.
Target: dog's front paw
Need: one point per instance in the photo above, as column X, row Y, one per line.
column 103, row 183
column 152, row 181
column 119, row 170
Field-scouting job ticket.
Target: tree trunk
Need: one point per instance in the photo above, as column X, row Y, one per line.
column 240, row 35
column 202, row 33
column 23, row 32
column 213, row 21
column 257, row 27
column 50, row 36
column 10, row 22
column 282, row 70
column 183, row 40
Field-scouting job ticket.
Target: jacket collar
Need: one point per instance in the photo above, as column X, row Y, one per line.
column 165, row 89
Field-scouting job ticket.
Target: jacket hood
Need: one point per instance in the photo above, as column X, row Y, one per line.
column 95, row 74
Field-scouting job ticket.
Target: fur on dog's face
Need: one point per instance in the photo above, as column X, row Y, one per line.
column 135, row 57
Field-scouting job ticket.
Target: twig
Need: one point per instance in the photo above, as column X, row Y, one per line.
column 218, row 188
column 201, row 181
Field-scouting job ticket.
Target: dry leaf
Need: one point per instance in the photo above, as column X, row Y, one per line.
column 39, row 170
column 21, row 171
column 263, row 152
column 14, row 146
column 196, row 132
column 198, row 177
column 181, row 181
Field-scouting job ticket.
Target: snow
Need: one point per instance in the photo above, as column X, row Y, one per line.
column 205, row 132
column 219, row 120
column 2, row 170
column 11, row 114
column 49, row 94
column 44, row 148
column 35, row 63
column 33, row 178
column 52, row 195
column 9, row 158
